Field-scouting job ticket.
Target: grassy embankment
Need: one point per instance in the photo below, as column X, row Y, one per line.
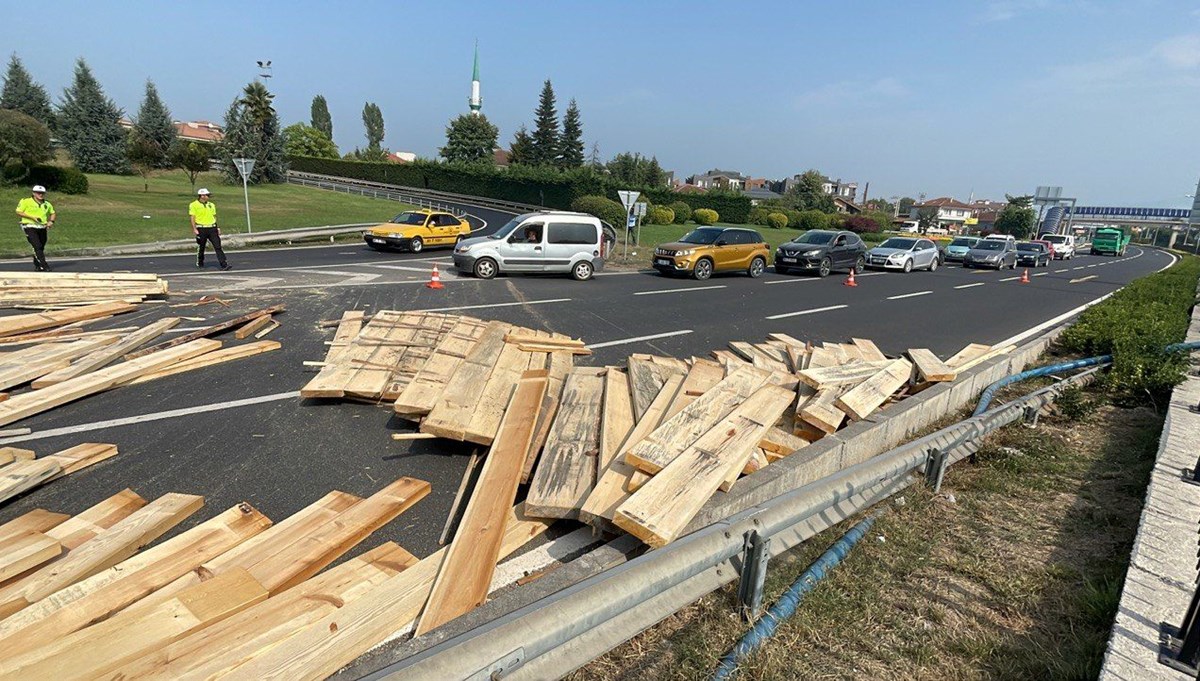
column 117, row 211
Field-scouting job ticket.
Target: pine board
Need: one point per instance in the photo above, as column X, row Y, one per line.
column 567, row 471
column 422, row 392
column 25, row 323
column 452, row 412
column 105, row 356
column 205, row 332
column 559, row 364
column 929, row 367
column 866, row 397
column 24, row 552
column 841, row 375
column 37, row 520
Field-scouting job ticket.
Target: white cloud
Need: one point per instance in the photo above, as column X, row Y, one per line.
column 1142, row 68
column 1181, row 52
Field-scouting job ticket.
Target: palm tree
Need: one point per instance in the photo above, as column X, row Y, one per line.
column 257, row 102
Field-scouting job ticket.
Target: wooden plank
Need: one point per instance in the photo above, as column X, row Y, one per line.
column 870, row 352
column 523, row 338
column 69, row 278
column 37, row 520
column 644, row 383
column 320, row 648
column 41, row 360
column 108, row 548
column 23, row 476
column 10, row 454
column 305, row 558
column 251, row 327
column 841, row 375
column 701, row 377
column 24, row 552
column 423, row 391
column 349, row 327
column 970, row 352
column 452, row 413
column 612, row 487
column 675, row 434
column 205, row 332
column 96, row 650
column 567, row 472
column 492, row 397
column 38, row 401
column 17, row 324
column 105, row 593
column 777, row 444
column 424, row 341
column 75, row 459
column 559, row 364
column 616, row 418
column 822, row 357
column 105, row 356
column 756, row 461
column 269, row 328
column 210, row 359
column 820, row 412
column 867, row 396
column 83, row 527
column 929, row 367
column 466, row 573
column 660, row 510
column 976, row 358
column 217, row 650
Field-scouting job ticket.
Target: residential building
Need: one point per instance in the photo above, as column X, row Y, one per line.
column 952, row 214
column 755, row 183
column 190, row 131
column 500, row 158
column 847, row 206
column 728, row 180
column 759, row 194
column 838, row 188
column 401, row 156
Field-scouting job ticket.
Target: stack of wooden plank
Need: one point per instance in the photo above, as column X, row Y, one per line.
column 61, row 363
column 79, row 600
column 51, row 289
column 21, row 470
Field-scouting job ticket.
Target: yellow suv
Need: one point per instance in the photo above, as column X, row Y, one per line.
column 713, row 249
column 415, row 230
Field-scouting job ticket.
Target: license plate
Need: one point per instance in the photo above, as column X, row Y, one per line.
column 662, row 261
column 376, row 241
column 787, row 260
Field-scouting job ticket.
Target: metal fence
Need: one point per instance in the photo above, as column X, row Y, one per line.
column 424, row 198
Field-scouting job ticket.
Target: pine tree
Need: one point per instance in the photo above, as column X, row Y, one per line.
column 570, row 151
column 321, row 120
column 594, row 161
column 470, row 139
column 373, row 122
column 22, row 94
column 88, row 125
column 154, row 129
column 521, row 149
column 544, row 145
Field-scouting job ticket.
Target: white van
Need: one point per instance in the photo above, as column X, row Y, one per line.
column 546, row 241
column 1063, row 245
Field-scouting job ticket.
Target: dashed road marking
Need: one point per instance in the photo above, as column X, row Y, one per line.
column 1041, row 274
column 1090, row 276
column 804, row 312
column 679, row 290
column 480, row 307
column 1062, row 270
column 910, row 295
column 978, row 283
column 1010, row 279
column 638, row 339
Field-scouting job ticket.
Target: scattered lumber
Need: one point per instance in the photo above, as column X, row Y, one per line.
column 24, row 552
column 37, row 520
column 253, row 326
column 851, row 373
column 929, row 368
column 866, row 397
column 27, row 473
column 567, row 472
column 210, row 359
column 19, row 289
column 205, row 332
column 107, row 355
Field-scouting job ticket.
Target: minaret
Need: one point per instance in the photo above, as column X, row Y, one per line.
column 476, row 102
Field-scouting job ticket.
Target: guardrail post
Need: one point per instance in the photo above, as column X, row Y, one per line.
column 935, row 468
column 755, row 554
column 1031, row 416
column 1180, row 648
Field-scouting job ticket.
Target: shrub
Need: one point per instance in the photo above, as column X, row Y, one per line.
column 604, row 208
column 792, row 214
column 683, row 212
column 660, row 215
column 758, row 216
column 884, row 220
column 812, row 219
column 65, row 180
column 705, row 216
column 777, row 220
column 861, row 224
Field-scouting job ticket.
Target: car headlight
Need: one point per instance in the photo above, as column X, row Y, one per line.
column 685, row 253
column 896, row 256
column 462, row 249
column 395, row 235
column 815, row 251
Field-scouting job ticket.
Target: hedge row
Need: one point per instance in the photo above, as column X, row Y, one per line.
column 68, row 180
column 1134, row 326
column 540, row 186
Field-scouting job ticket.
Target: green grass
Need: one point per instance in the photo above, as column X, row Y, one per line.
column 114, row 209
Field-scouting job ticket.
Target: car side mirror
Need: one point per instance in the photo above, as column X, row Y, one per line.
column 722, row 242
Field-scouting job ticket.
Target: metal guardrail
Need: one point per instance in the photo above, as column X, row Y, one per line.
column 567, row 629
column 425, row 198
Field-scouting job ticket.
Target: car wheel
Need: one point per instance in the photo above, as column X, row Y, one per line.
column 416, row 245
column 933, row 265
column 485, row 268
column 757, row 266
column 582, row 271
column 825, row 267
column 703, row 269
column 908, row 266
column 860, row 265
column 781, row 270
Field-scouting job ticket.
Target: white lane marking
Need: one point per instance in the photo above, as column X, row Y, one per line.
column 1090, row 266
column 1078, row 268
column 1090, row 276
column 980, row 283
column 804, row 312
column 679, row 290
column 338, row 284
column 1061, row 271
column 1041, row 274
column 155, row 416
column 638, row 339
column 216, row 273
column 910, row 295
column 480, row 307
column 1070, row 313
column 1010, row 278
column 404, row 268
column 793, row 280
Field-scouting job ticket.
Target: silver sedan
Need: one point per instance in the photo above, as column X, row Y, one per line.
column 904, row 253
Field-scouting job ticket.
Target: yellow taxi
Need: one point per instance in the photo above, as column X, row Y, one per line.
column 416, row 230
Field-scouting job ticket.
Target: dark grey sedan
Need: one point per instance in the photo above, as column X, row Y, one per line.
column 994, row 253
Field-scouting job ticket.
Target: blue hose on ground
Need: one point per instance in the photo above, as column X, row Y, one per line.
column 986, row 398
column 783, row 608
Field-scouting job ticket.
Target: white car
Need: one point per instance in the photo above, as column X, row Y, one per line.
column 904, row 253
column 1063, row 245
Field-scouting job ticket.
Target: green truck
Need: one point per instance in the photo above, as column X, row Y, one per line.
column 1110, row 241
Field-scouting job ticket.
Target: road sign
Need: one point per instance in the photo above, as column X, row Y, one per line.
column 639, row 209
column 630, row 222
column 245, row 166
column 628, row 198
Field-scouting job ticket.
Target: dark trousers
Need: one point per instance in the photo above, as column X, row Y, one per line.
column 208, row 235
column 37, row 239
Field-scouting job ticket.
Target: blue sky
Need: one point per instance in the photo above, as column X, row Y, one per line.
column 941, row 98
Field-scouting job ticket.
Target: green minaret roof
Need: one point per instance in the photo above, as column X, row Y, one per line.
column 475, row 73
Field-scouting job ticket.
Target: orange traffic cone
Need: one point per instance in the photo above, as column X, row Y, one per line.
column 850, row 280
column 435, row 279
column 1025, row 276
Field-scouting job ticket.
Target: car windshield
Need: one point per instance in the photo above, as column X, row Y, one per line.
column 704, row 235
column 814, row 238
column 509, row 226
column 409, row 219
column 1054, row 238
column 902, row 244
column 992, row 245
column 1029, row 247
column 963, row 242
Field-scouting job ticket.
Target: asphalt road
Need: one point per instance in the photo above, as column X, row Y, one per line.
column 280, row 453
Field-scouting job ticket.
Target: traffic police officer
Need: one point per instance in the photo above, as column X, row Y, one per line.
column 37, row 217
column 203, row 214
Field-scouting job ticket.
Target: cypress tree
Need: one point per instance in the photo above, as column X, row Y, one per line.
column 88, row 125
column 545, row 137
column 154, row 127
column 570, row 152
column 321, row 120
column 22, row 94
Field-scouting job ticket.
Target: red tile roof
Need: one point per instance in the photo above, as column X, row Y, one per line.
column 944, row 202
